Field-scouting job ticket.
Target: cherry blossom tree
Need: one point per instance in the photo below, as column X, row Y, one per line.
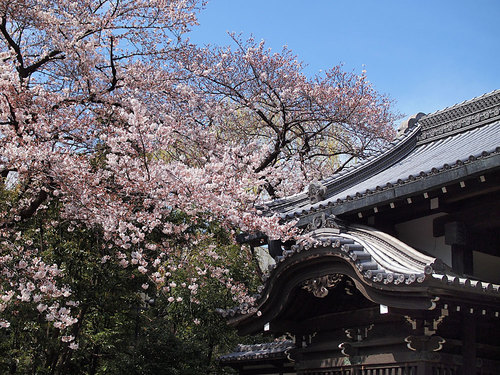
column 309, row 128
column 113, row 122
column 121, row 330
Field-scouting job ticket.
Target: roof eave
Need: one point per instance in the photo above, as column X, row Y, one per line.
column 417, row 185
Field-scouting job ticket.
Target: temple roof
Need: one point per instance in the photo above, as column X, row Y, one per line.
column 431, row 151
column 265, row 351
column 384, row 269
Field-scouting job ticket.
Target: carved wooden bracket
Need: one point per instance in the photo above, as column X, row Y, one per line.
column 348, row 350
column 425, row 343
column 319, row 287
column 429, row 326
column 358, row 333
column 426, row 339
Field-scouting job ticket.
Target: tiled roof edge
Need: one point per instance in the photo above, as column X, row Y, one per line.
column 297, row 214
column 258, row 351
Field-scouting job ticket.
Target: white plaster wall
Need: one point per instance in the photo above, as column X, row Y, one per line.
column 418, row 234
column 486, row 267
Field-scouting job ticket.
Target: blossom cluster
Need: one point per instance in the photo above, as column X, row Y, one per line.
column 109, row 115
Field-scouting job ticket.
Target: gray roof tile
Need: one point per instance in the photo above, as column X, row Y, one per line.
column 258, row 351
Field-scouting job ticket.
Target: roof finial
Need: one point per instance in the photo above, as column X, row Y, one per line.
column 316, row 192
column 409, row 123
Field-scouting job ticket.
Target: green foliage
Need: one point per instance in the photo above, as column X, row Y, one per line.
column 121, row 330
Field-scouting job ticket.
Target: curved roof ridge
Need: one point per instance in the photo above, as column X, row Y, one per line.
column 396, row 145
column 460, row 117
column 385, row 261
column 461, row 104
column 266, row 345
column 389, row 251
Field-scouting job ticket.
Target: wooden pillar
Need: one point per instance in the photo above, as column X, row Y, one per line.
column 469, row 344
column 455, row 234
column 461, row 259
column 423, row 368
column 274, row 247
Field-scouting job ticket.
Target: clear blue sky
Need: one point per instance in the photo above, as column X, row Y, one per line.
column 424, row 54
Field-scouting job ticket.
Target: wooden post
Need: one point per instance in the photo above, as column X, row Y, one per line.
column 461, row 254
column 469, row 344
column 423, row 368
column 274, row 247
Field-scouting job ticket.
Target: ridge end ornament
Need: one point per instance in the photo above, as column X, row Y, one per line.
column 321, row 221
column 316, row 192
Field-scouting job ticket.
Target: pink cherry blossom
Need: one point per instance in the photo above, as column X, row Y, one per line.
column 128, row 129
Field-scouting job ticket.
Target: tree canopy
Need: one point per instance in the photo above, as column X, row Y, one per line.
column 126, row 153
